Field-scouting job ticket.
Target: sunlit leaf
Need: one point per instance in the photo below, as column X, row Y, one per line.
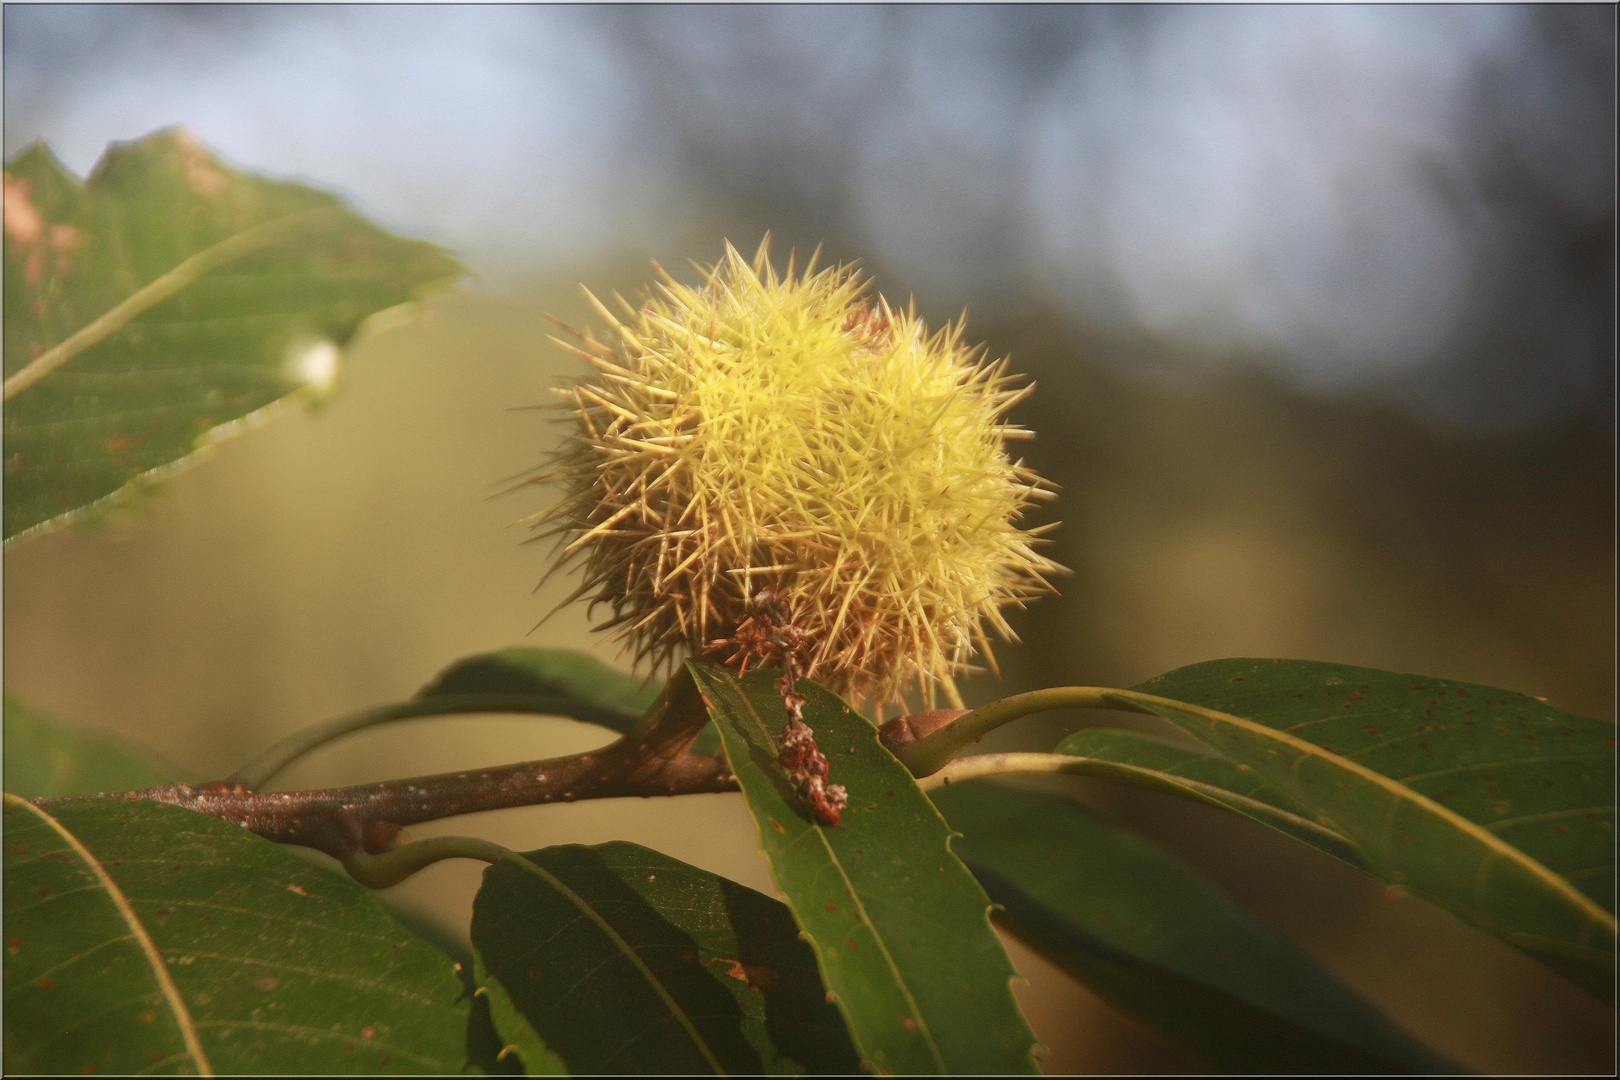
column 619, row 959
column 1490, row 804
column 162, row 303
column 44, row 758
column 1191, row 771
column 1155, row 937
column 145, row 938
column 899, row 926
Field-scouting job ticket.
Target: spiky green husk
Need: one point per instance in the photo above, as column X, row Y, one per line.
column 784, row 432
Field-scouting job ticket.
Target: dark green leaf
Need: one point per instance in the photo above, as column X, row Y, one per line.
column 574, row 683
column 1154, row 936
column 1194, row 772
column 145, row 938
column 45, row 759
column 1488, row 803
column 251, row 287
column 520, row 1043
column 899, row 926
column 619, row 959
column 571, row 683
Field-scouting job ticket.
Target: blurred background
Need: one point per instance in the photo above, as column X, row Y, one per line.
column 1320, row 302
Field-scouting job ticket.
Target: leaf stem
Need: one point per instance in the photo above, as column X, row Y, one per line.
column 389, row 868
column 158, row 290
column 929, row 754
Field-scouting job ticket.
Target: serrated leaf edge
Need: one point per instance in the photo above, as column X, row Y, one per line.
column 821, row 834
column 517, row 861
column 171, row 993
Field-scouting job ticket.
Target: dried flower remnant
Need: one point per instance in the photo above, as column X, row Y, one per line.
column 785, row 433
column 768, row 630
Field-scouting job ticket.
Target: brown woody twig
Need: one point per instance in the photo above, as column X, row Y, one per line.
column 652, row 759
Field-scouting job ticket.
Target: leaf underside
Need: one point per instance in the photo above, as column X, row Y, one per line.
column 899, row 926
column 1156, row 938
column 197, row 365
column 276, row 965
column 619, row 959
column 1488, row 803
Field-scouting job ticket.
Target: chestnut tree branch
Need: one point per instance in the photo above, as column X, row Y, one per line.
column 260, row 771
column 652, row 759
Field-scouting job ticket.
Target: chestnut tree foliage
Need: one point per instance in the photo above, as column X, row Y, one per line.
column 158, row 925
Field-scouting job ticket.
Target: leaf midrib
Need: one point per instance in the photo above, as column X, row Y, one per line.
column 1402, row 795
column 860, row 908
column 629, row 953
column 154, row 959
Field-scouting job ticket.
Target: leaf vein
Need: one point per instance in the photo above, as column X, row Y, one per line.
column 171, row 993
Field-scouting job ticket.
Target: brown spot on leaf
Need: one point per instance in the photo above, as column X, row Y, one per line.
column 46, row 984
column 368, row 1033
column 830, row 906
column 299, row 889
column 154, row 1055
column 757, row 976
column 149, row 1016
column 266, row 983
column 65, row 238
column 908, row 1023
column 201, row 177
column 23, row 224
